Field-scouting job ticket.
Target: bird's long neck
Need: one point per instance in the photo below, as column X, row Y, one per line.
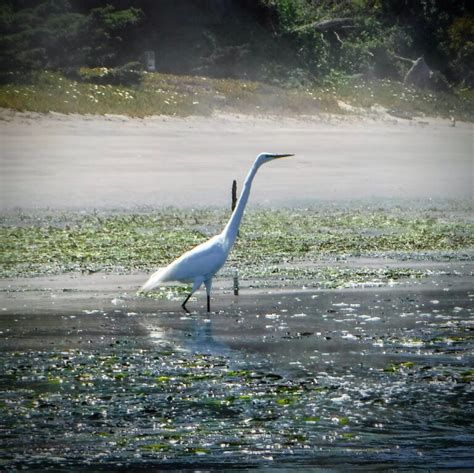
column 232, row 228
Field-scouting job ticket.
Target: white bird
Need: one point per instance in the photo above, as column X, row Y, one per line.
column 200, row 264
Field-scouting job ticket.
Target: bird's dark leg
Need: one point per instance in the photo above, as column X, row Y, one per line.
column 196, row 284
column 208, row 284
column 183, row 305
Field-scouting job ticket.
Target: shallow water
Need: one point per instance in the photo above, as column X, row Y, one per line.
column 362, row 379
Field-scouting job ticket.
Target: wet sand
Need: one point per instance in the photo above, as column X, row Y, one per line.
column 78, row 311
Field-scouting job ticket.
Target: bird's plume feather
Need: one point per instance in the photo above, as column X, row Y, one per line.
column 153, row 281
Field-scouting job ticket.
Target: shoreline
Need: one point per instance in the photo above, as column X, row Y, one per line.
column 74, row 292
column 366, row 116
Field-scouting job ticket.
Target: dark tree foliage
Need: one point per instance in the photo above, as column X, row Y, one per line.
column 52, row 34
column 429, row 24
column 255, row 39
column 380, row 32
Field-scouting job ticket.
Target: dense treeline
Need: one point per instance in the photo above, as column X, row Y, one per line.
column 374, row 36
column 287, row 41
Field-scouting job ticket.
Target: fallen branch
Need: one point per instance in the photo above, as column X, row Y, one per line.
column 405, row 59
column 338, row 37
column 328, row 25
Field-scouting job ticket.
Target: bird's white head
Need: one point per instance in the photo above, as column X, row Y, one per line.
column 263, row 158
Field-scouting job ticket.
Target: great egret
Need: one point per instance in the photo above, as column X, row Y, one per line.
column 201, row 263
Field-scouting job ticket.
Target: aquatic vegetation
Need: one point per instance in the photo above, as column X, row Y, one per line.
column 272, row 243
column 403, row 365
column 331, row 277
column 123, row 406
column 467, row 376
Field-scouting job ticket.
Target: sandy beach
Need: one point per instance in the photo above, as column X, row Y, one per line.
column 84, row 162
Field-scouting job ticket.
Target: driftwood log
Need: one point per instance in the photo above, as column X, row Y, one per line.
column 420, row 75
column 334, row 24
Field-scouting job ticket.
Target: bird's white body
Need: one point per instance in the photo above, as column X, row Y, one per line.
column 200, row 264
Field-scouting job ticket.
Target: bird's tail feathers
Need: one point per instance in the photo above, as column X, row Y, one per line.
column 153, row 281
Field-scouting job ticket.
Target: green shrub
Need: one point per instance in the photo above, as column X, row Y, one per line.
column 54, row 36
column 461, row 44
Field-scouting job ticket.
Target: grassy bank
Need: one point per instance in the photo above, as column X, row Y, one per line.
column 172, row 95
column 272, row 243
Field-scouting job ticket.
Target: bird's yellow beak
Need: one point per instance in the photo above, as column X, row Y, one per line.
column 282, row 155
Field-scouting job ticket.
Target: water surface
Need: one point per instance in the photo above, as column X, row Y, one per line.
column 359, row 379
